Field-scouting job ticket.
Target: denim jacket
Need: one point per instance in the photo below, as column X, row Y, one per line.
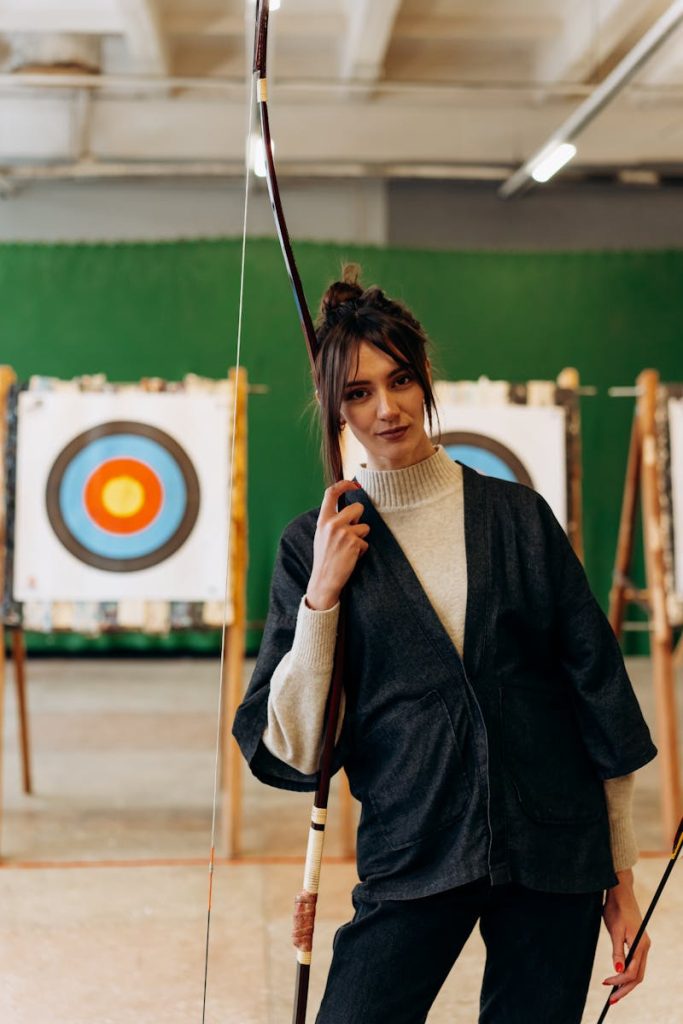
column 489, row 765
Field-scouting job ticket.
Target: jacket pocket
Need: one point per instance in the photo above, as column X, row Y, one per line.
column 546, row 759
column 413, row 771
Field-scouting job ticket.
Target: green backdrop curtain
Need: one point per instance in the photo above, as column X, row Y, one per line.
column 167, row 309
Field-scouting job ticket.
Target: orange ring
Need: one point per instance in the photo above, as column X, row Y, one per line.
column 124, row 524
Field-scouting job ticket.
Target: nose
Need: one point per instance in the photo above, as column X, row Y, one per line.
column 387, row 406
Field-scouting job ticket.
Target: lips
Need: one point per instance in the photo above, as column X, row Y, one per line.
column 392, row 434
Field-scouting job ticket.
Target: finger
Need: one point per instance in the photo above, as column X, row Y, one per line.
column 630, row 978
column 351, row 513
column 332, row 494
column 624, row 977
column 622, row 991
column 360, row 529
column 618, row 955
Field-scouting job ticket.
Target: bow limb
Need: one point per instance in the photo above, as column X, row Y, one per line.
column 260, row 69
column 305, row 901
column 676, row 849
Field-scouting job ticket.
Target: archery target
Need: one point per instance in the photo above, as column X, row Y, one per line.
column 121, row 495
column 676, row 445
column 486, row 455
column 522, row 443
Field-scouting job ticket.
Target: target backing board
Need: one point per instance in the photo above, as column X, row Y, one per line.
column 121, row 495
column 522, row 443
column 676, row 443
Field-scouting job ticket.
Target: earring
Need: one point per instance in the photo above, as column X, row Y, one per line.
column 342, row 424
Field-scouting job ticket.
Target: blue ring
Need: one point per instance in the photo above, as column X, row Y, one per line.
column 103, row 542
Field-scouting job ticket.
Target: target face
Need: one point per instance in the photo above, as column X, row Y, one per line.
column 122, row 496
column 486, row 455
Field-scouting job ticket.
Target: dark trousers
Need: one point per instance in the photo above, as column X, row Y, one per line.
column 392, row 958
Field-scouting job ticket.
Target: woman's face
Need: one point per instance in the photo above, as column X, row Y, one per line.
column 384, row 407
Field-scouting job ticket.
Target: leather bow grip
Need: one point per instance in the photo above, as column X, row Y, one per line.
column 305, row 900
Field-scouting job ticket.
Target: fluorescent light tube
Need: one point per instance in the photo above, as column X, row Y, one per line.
column 550, row 162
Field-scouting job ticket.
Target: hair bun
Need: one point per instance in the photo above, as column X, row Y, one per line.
column 345, row 290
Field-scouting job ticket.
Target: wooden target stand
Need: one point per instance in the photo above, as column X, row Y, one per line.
column 235, row 629
column 7, row 380
column 647, row 477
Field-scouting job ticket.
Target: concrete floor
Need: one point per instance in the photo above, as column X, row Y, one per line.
column 103, row 887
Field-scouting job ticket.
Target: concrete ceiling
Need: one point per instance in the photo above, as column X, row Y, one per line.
column 442, row 88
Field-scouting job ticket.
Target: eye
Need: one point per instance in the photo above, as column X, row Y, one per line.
column 355, row 395
column 404, row 378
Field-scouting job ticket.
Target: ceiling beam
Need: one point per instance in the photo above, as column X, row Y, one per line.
column 87, row 17
column 478, row 27
column 146, row 42
column 587, row 38
column 290, row 24
column 364, row 49
column 375, row 137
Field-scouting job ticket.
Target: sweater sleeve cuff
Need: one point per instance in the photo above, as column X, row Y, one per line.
column 619, row 796
column 315, row 636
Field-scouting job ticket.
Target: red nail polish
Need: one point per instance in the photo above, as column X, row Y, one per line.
column 613, row 1000
column 620, row 968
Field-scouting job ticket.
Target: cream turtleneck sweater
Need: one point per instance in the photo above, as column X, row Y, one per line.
column 428, row 494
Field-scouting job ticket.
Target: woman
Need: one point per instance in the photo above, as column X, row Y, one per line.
column 490, row 730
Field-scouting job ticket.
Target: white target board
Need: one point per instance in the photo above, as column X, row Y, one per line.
column 676, row 443
column 522, row 443
column 121, row 495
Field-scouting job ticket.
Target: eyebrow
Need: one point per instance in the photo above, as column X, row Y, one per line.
column 357, row 383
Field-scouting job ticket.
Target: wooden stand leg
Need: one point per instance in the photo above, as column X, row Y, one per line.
column 624, row 556
column 232, row 682
column 661, row 633
column 3, row 664
column 667, row 736
column 7, row 378
column 19, row 657
column 231, row 787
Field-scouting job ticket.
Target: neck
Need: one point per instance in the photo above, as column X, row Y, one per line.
column 424, row 449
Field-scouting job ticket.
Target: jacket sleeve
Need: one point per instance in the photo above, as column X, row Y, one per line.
column 290, row 579
column 610, row 719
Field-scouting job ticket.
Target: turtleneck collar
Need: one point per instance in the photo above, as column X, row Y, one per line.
column 414, row 485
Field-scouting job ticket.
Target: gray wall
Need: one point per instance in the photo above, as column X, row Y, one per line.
column 445, row 215
column 411, row 214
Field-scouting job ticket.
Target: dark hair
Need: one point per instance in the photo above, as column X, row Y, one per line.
column 349, row 315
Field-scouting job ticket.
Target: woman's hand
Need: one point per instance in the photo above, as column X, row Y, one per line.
column 338, row 544
column 622, row 919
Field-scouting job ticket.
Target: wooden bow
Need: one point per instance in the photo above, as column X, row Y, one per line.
column 305, row 901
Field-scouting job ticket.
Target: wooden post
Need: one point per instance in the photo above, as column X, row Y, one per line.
column 7, row 378
column 232, row 682
column 19, row 658
column 569, row 381
column 660, row 628
column 627, row 526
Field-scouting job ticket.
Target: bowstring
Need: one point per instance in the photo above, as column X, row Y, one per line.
column 226, row 597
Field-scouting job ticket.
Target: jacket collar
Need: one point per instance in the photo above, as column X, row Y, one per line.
column 387, row 548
